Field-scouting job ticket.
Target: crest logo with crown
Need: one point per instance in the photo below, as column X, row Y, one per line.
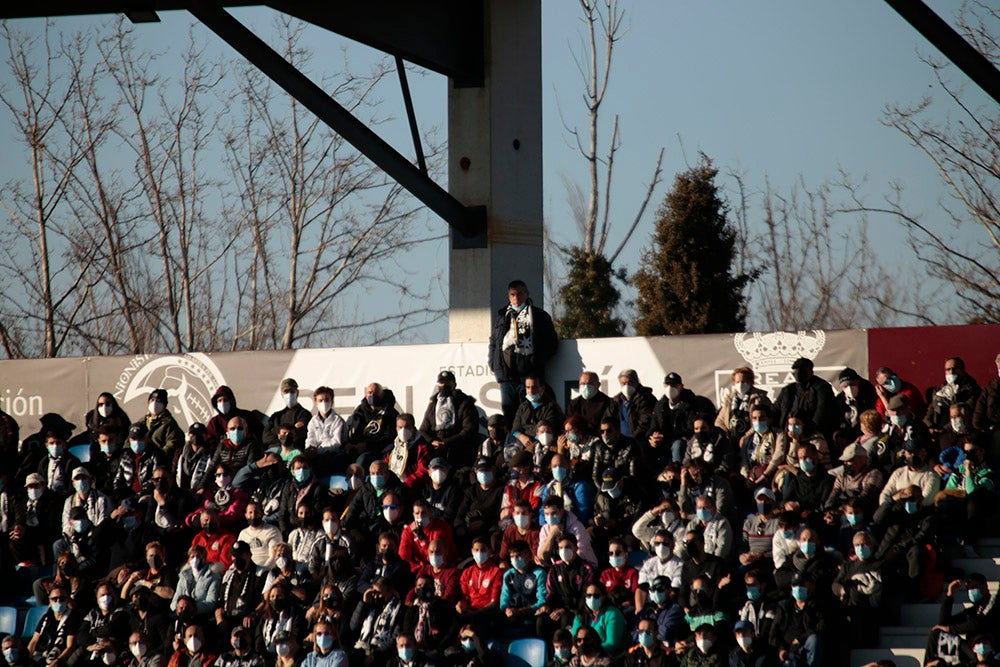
column 771, row 355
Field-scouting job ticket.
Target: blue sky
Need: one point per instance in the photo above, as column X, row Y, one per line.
column 781, row 89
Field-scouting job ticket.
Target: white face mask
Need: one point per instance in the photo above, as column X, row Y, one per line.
column 849, row 392
column 104, row 411
column 663, row 552
column 193, row 644
column 390, row 515
column 281, row 562
column 745, row 641
column 958, row 425
column 951, row 378
column 704, row 645
column 545, row 438
column 331, row 527
column 438, row 475
column 138, row 649
column 355, row 482
column 323, row 407
column 156, row 408
column 104, row 602
column 282, row 650
column 567, row 555
column 291, row 398
column 404, row 434
column 628, row 391
column 673, row 392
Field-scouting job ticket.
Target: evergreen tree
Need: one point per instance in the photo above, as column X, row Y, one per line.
column 685, row 282
column 590, row 297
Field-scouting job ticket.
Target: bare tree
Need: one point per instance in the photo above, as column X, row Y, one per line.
column 318, row 208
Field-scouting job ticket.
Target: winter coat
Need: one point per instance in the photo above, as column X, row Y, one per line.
column 544, row 342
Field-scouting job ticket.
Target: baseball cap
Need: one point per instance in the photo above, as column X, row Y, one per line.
column 764, row 491
column 495, row 420
column 853, row 450
column 898, row 402
column 289, row 384
column 483, row 463
column 34, row 478
column 672, row 378
column 137, row 430
column 81, row 471
column 438, row 462
column 445, row 376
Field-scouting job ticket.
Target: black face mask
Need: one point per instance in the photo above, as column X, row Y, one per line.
column 256, row 522
column 155, row 561
column 280, row 604
column 801, row 376
column 209, row 527
column 241, row 644
column 241, row 563
column 142, row 604
column 445, row 390
column 915, row 462
column 162, row 485
column 426, row 594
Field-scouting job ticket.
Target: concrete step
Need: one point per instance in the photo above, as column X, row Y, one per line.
column 903, row 657
column 989, row 542
column 988, row 567
column 912, row 638
column 924, row 615
column 988, row 552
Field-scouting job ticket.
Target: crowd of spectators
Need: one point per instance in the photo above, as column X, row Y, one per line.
column 626, row 530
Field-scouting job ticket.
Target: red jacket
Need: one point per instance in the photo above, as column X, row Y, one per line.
column 413, row 547
column 416, row 472
column 219, row 546
column 446, row 583
column 512, row 535
column 626, row 579
column 917, row 403
column 481, row 585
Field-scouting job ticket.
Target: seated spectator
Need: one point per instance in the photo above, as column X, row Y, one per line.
column 539, row 405
column 500, row 445
column 522, row 529
column 226, row 502
column 915, row 472
column 444, row 576
column 193, row 461
column 480, row 583
column 786, row 541
column 738, row 402
column 799, row 624
column 620, row 580
column 702, row 604
column 95, row 504
column 281, row 612
column 663, row 563
column 386, row 565
column 949, row 639
column 673, row 420
column 578, row 445
column 648, row 650
column 104, row 628
column 616, row 508
column 54, row 638
column 260, row 536
column 544, row 444
column 664, row 515
column 758, row 448
column 859, row 480
column 377, row 621
column 523, row 484
column 591, row 404
column 562, row 648
column 710, row 444
column 698, row 479
column 451, row 422
column 428, row 619
column 137, row 463
column 662, row 610
column 811, row 560
column 568, row 577
column 809, row 488
column 215, row 540
column 198, row 581
column 307, row 533
column 577, row 494
column 970, row 496
column 158, row 576
column 799, row 431
column 759, row 530
column 479, row 510
column 902, row 426
column 558, row 523
column 417, row 536
column 716, row 532
column 36, row 522
column 889, row 384
column 366, row 506
column 706, row 649
column 749, row 651
column 408, row 654
column 857, row 396
column 698, row 563
column 959, row 388
column 524, row 590
column 193, row 651
column 144, row 654
column 475, row 651
column 304, row 488
column 242, row 653
column 604, row 617
column 588, row 649
column 859, row 586
column 240, row 589
column 325, row 431
column 444, row 492
column 410, row 454
column 760, row 604
column 986, row 415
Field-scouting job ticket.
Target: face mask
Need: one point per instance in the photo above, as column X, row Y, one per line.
column 567, row 555
column 55, row 451
column 130, row 522
column 753, row 592
column 788, row 534
column 104, row 410
column 324, row 642
column 743, row 388
column 436, row 560
column 800, row 593
column 545, row 439
column 958, row 425
column 323, row 407
column 438, row 476
column 281, row 562
column 673, row 392
column 107, row 449
column 560, row 473
column 155, row 561
column 617, row 561
column 11, row 655
column 807, row 548
column 468, row 645
column 424, row 520
column 241, row 644
column 663, row 552
column 79, row 525
column 355, row 482
column 300, row 475
column 795, row 429
column 519, row 563
column 658, row 597
column 594, row 602
column 222, row 481
column 564, row 653
column 236, row 436
column 156, row 408
column 975, row 595
column 378, row 481
column 704, row 645
column 552, row 519
column 223, row 407
column 138, row 650
column 404, row 434
column 646, row 639
column 745, row 641
column 573, row 437
column 892, row 384
column 282, row 650
column 615, row 493
column 981, row 649
column 480, row 557
column 406, row 654
column 911, row 506
column 331, row 527
column 853, row 519
column 138, row 446
column 667, row 519
column 82, row 485
column 704, row 514
column 193, row 644
column 850, row 392
column 761, row 427
column 195, row 563
column 763, row 508
column 291, row 398
column 104, row 602
column 522, row 521
column 484, row 477
column 807, row 465
column 898, row 420
column 34, row 494
column 588, row 391
column 392, row 515
column 59, row 608
column 951, row 378
column 862, row 551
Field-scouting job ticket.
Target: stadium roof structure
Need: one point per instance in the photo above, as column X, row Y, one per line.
column 444, row 36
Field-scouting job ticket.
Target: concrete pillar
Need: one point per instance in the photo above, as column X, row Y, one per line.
column 495, row 158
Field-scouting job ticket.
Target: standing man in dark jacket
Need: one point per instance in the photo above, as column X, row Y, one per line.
column 673, row 420
column 522, row 341
column 810, row 396
column 451, row 423
column 632, row 407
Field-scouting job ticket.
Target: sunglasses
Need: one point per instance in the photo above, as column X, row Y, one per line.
column 58, row 599
column 390, row 507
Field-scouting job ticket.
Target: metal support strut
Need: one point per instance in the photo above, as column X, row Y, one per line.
column 469, row 221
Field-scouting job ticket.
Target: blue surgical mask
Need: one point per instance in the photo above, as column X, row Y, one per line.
column 892, row 384
column 468, row 645
column 564, row 653
column 753, row 592
column 795, row 429
column 534, row 399
column 519, row 563
column 975, row 595
column 324, row 642
column 236, row 436
column 107, row 449
column 898, row 420
column 658, row 597
column 800, row 593
column 480, row 556
column 291, row 398
column 518, row 309
column 863, row 551
column 594, row 602
column 82, row 485
column 560, row 473
column 647, row 639
column 11, row 655
column 761, row 427
column 484, row 477
column 139, row 446
column 55, row 451
column 300, row 475
column 704, row 514
column 788, row 534
column 807, row 465
column 588, row 391
column 617, row 561
column 615, row 492
column 982, row 650
column 378, row 481
column 911, row 506
column 807, row 548
column 854, row 519
column 406, row 654
column 130, row 522
column 59, row 608
column 552, row 519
